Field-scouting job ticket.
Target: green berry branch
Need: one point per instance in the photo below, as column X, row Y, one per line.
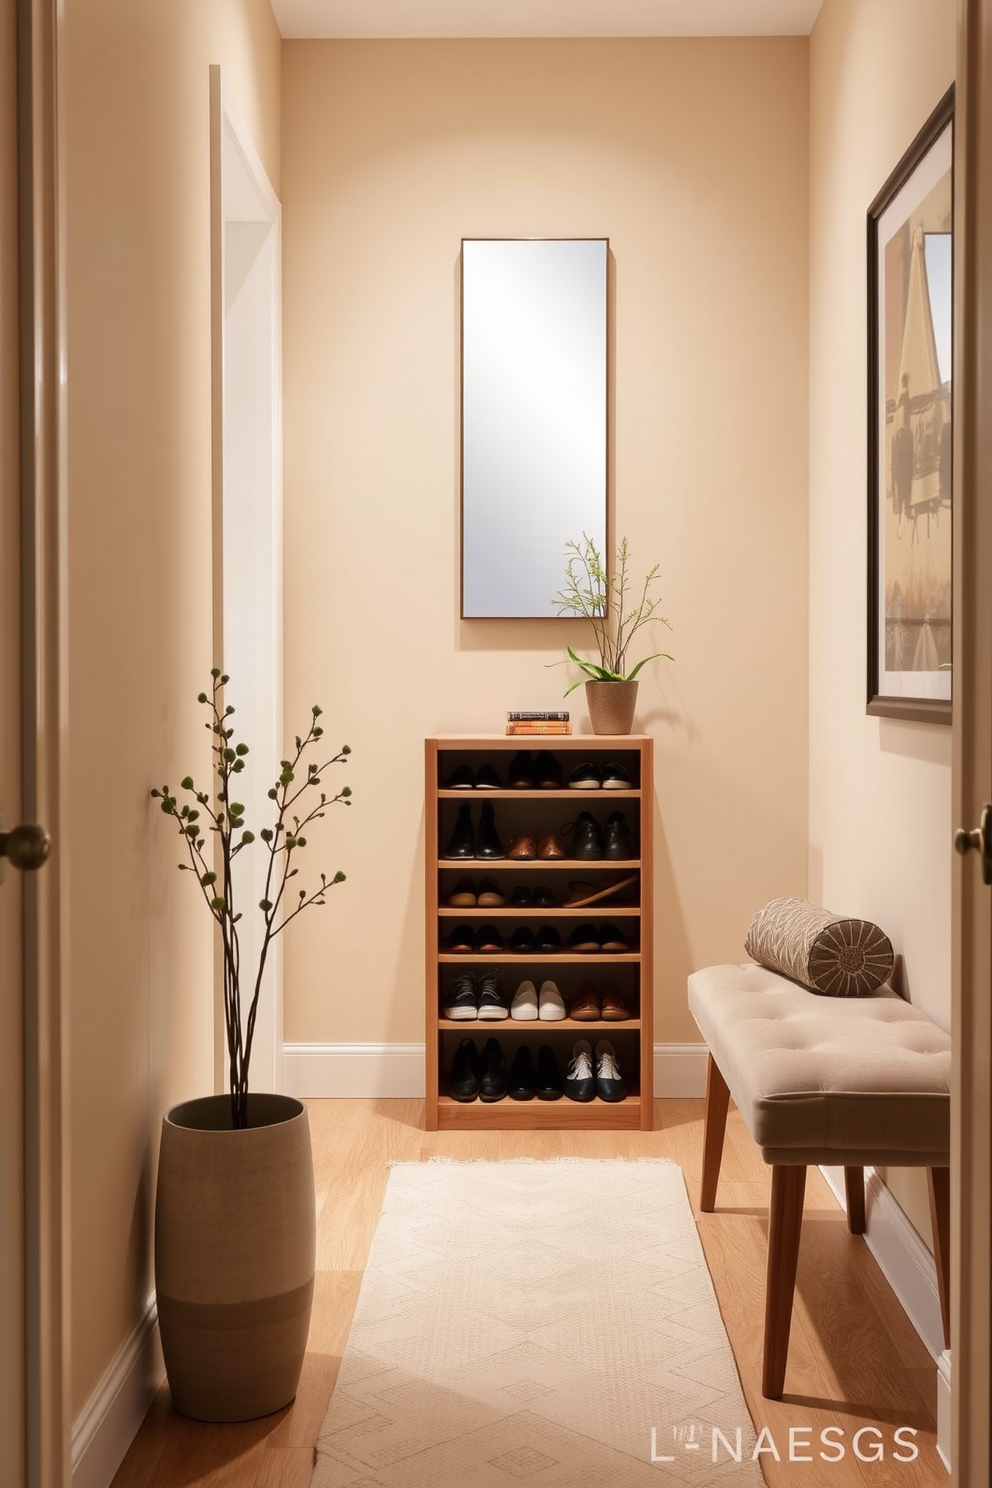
column 284, row 840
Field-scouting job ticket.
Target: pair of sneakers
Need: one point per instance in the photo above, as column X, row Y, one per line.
column 470, row 998
column 530, row 1004
column 590, row 1074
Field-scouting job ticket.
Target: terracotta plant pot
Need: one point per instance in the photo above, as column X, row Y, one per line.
column 235, row 1244
column 611, row 706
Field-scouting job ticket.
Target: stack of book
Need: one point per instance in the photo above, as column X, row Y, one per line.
column 540, row 721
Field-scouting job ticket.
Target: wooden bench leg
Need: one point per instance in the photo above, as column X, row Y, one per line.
column 714, row 1126
column 854, row 1189
column 939, row 1184
column 785, row 1218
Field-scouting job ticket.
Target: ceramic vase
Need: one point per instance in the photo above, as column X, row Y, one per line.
column 611, row 706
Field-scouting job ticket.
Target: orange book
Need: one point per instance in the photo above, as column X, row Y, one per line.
column 539, row 727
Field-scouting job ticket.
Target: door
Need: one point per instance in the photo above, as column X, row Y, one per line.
column 972, row 775
column 33, row 1349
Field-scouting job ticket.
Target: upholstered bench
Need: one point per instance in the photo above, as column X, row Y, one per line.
column 850, row 1081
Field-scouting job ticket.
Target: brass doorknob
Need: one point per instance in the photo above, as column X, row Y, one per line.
column 26, row 846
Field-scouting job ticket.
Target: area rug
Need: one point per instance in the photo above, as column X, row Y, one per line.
column 548, row 1324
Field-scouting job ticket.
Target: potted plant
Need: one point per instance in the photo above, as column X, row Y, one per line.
column 235, row 1226
column 607, row 603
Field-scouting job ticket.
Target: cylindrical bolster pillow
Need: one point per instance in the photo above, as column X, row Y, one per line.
column 828, row 953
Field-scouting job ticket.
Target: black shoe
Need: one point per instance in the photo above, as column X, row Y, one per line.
column 489, row 845
column 522, row 774
column 522, row 897
column 461, row 843
column 618, row 839
column 548, row 939
column 523, row 942
column 494, row 1004
column 612, row 939
column 522, row 1078
column 488, row 941
column 462, row 1001
column 492, row 1072
column 464, row 1082
column 585, row 938
column 548, row 772
column 586, row 776
column 587, row 843
column 461, row 941
column 615, row 777
column 462, row 778
column 487, row 779
column 547, row 1084
column 544, row 899
column 610, row 1084
column 579, row 1083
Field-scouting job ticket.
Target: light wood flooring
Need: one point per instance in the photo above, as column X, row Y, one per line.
column 854, row 1359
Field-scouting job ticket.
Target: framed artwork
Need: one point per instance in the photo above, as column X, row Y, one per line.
column 910, row 316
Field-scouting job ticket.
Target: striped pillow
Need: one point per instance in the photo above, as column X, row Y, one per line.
column 828, row 953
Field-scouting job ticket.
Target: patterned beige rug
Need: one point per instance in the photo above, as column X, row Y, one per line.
column 548, row 1324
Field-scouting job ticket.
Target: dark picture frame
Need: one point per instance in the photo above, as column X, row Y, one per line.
column 910, row 316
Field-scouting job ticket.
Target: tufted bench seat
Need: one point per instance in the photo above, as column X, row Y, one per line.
column 850, row 1081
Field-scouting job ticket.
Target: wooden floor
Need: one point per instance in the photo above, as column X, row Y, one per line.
column 854, row 1360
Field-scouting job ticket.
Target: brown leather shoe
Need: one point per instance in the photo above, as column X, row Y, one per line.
column 615, row 1010
column 488, row 941
column 489, row 895
column 552, row 847
column 585, row 1008
column 463, row 895
column 522, row 847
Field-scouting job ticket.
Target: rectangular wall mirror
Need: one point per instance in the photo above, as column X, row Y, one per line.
column 534, row 357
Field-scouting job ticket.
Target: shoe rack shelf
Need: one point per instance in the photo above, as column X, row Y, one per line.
column 540, row 811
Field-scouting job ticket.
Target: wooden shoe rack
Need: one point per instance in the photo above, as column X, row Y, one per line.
column 538, row 812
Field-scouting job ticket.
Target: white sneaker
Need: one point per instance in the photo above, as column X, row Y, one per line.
column 524, row 1004
column 551, row 1004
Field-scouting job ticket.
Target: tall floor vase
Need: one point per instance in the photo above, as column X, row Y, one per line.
column 235, row 1246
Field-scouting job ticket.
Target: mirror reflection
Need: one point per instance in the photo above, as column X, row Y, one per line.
column 533, row 417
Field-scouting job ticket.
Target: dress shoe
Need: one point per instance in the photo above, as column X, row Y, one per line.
column 487, row 779
column 579, row 1083
column 549, row 1082
column 544, row 899
column 523, row 1077
column 585, row 938
column 492, row 1072
column 604, row 888
column 548, row 940
column 461, row 843
column 461, row 941
column 522, row 941
column 464, row 1082
column 610, row 1084
column 615, row 777
column 493, row 1005
column 489, row 895
column 550, row 1004
column 585, row 1008
column 552, row 846
column 587, row 843
column 618, row 839
column 522, row 774
column 488, row 845
column 548, row 772
column 488, row 941
column 522, row 848
column 462, row 1001
column 585, row 777
column 462, row 778
column 523, row 1008
column 463, row 895
column 615, row 1010
column 612, row 939
column 522, row 897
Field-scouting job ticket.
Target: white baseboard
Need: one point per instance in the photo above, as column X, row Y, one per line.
column 680, row 1071
column 108, row 1422
column 355, row 1071
column 396, row 1071
column 902, row 1257
column 944, row 1408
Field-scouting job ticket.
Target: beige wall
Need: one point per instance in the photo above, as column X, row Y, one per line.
column 138, row 286
column 879, row 789
column 692, row 157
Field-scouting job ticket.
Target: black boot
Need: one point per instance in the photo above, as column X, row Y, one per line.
column 492, row 1072
column 522, row 1077
column 464, row 1082
column 461, row 843
column 618, row 839
column 489, row 845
